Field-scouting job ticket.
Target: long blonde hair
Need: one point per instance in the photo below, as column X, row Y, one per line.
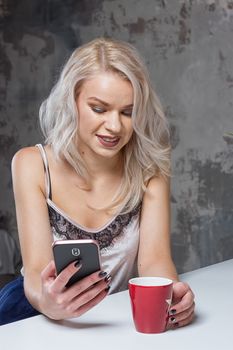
column 148, row 152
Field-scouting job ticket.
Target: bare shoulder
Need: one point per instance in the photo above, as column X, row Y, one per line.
column 27, row 164
column 157, row 186
column 26, row 153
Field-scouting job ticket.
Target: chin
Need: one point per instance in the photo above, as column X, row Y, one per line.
column 109, row 153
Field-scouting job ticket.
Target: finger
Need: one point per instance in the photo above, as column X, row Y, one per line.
column 48, row 272
column 74, row 298
column 184, row 322
column 90, row 294
column 182, row 316
column 86, row 283
column 89, row 305
column 179, row 290
column 185, row 303
column 65, row 275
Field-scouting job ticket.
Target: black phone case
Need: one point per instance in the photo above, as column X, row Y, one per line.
column 87, row 252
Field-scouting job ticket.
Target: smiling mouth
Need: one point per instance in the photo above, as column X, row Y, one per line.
column 108, row 141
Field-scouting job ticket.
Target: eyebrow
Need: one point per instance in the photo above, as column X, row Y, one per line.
column 107, row 104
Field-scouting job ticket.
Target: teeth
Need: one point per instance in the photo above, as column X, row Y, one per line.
column 107, row 139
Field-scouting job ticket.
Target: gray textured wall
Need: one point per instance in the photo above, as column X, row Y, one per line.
column 188, row 46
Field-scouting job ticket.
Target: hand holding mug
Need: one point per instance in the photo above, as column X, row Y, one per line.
column 182, row 309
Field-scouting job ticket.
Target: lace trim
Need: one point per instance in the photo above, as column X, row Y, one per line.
column 64, row 229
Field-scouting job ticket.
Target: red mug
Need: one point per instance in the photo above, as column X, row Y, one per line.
column 150, row 301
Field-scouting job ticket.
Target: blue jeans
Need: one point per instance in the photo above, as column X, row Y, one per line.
column 14, row 305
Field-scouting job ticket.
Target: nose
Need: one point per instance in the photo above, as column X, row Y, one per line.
column 113, row 122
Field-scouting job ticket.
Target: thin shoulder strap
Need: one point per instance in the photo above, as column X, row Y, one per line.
column 46, row 169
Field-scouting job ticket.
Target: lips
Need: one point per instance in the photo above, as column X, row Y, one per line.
column 108, row 141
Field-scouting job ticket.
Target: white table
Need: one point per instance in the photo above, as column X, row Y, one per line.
column 109, row 325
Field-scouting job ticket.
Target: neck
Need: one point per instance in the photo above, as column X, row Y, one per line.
column 102, row 167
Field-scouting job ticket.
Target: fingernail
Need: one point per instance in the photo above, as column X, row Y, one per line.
column 176, row 324
column 78, row 263
column 102, row 274
column 108, row 278
column 173, row 320
column 107, row 288
column 172, row 312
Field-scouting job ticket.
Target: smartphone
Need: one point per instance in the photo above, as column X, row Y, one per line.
column 67, row 251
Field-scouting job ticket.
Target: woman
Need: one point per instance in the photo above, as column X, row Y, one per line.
column 104, row 174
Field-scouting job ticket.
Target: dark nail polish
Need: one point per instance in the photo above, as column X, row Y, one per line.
column 78, row 263
column 176, row 324
column 108, row 278
column 102, row 274
column 173, row 320
column 107, row 288
column 172, row 312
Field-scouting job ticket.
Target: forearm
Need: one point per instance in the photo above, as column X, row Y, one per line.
column 32, row 290
column 159, row 268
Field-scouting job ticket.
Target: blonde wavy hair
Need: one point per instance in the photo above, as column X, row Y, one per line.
column 148, row 152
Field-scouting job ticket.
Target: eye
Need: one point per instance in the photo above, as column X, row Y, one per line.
column 97, row 109
column 127, row 112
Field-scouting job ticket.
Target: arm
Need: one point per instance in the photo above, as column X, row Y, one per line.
column 154, row 249
column 45, row 291
column 32, row 219
column 154, row 258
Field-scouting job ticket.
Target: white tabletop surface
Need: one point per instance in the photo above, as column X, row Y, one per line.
column 109, row 325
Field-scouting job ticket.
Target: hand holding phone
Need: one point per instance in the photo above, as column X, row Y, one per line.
column 87, row 283
column 58, row 302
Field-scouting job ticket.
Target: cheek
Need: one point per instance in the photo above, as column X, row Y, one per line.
column 129, row 128
column 83, row 126
column 85, row 119
column 131, row 134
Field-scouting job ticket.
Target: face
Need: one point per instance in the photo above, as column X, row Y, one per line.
column 104, row 104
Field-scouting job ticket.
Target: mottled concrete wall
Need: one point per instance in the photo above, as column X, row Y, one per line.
column 188, row 46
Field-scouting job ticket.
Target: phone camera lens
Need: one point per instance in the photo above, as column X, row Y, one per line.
column 75, row 252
